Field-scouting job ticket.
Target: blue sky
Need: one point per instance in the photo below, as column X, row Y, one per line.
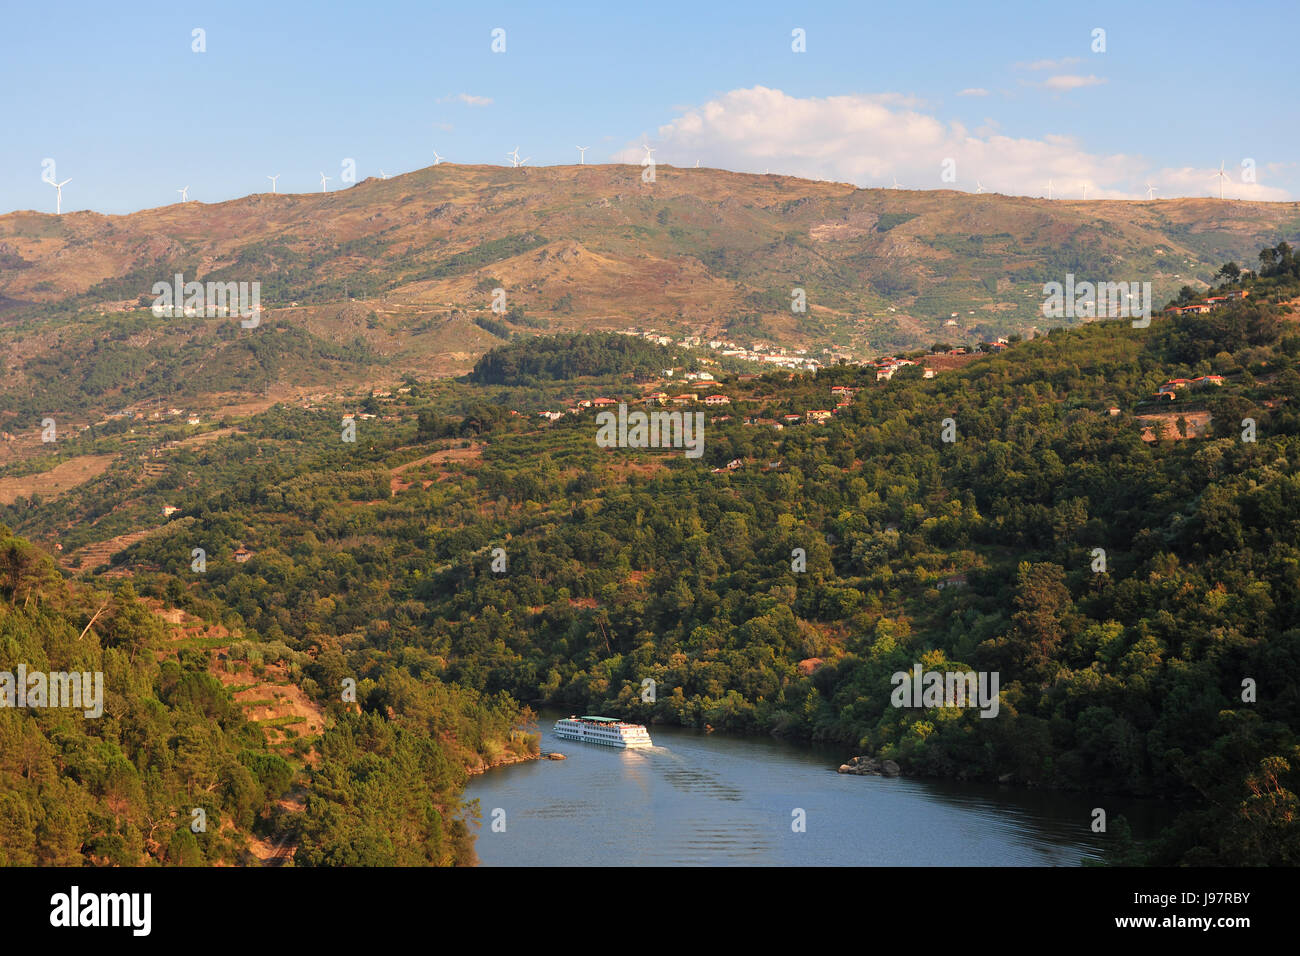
column 1010, row 96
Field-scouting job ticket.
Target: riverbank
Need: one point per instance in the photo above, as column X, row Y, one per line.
column 504, row 760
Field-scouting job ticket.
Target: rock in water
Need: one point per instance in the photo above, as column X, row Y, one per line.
column 867, row 766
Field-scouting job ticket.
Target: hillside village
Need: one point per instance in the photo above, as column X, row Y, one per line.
column 795, row 361
column 1208, row 304
column 756, row 386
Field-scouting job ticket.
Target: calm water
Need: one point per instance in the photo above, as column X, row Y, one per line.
column 715, row 800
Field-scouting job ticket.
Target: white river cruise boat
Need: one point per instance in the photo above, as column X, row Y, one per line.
column 602, row 730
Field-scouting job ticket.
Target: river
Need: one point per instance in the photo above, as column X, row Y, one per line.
column 697, row 799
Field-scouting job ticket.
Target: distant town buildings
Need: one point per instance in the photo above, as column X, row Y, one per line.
column 1174, row 384
column 1167, row 391
column 885, row 368
column 1208, row 305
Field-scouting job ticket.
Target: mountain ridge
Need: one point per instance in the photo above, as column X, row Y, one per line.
column 593, row 247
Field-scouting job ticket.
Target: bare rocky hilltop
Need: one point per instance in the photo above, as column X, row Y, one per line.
column 408, row 262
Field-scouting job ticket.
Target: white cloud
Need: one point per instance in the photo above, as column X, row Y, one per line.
column 869, row 139
column 1048, row 64
column 468, row 99
column 974, row 91
column 1071, row 82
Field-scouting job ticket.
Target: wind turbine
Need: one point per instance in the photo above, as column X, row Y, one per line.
column 58, row 201
column 185, row 193
column 323, row 180
column 1049, row 189
column 383, row 175
column 1150, row 189
column 273, row 179
column 979, row 187
column 514, row 157
column 697, row 164
column 648, row 150
column 1222, row 176
column 582, row 154
column 436, row 158
column 1085, row 192
column 897, row 184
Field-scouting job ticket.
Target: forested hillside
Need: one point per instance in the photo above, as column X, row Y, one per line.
column 569, row 357
column 1134, row 580
column 173, row 772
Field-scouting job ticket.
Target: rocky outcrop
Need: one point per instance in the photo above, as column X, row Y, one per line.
column 870, row 766
column 482, row 766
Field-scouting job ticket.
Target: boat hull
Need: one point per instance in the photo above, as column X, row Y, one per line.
column 605, row 734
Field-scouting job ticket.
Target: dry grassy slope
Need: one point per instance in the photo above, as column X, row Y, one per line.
column 687, row 251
